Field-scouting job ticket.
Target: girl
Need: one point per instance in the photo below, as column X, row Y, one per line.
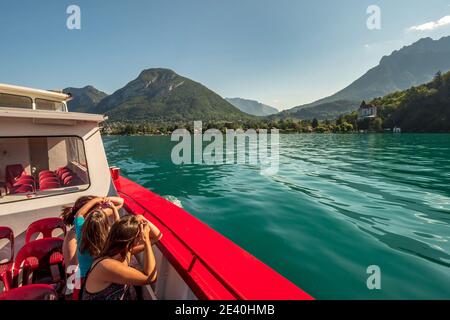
column 69, row 249
column 70, row 241
column 111, row 275
column 92, row 227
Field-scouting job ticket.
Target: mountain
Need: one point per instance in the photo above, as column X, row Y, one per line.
column 425, row 108
column 410, row 66
column 163, row 95
column 84, row 99
column 327, row 110
column 252, row 107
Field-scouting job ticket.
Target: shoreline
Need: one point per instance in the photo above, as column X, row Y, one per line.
column 285, row 133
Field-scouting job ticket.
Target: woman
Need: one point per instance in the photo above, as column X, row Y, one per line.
column 69, row 249
column 111, row 275
column 70, row 241
column 92, row 227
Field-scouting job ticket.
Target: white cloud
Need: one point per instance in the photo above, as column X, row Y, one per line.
column 429, row 26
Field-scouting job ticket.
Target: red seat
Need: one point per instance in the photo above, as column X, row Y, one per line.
column 31, row 292
column 49, row 185
column 46, row 227
column 46, row 174
column 25, row 181
column 66, row 174
column 60, row 169
column 13, row 172
column 48, row 179
column 24, row 188
column 37, row 261
column 46, row 171
column 6, row 266
column 70, row 181
column 63, row 171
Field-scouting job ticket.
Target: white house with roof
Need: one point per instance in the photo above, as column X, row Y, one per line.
column 367, row 111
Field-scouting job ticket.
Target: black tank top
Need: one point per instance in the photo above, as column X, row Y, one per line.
column 113, row 292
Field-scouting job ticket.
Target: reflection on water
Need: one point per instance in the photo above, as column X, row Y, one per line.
column 338, row 204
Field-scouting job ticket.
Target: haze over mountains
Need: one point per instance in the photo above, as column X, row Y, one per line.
column 252, row 107
column 410, row 66
column 163, row 95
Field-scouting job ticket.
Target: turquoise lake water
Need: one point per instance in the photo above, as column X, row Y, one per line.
column 338, row 204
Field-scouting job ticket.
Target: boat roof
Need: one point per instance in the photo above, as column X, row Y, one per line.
column 35, row 93
column 51, row 115
column 41, row 116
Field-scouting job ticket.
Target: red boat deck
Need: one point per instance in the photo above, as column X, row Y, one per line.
column 213, row 266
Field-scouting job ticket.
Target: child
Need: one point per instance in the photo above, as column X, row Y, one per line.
column 92, row 227
column 70, row 240
column 111, row 275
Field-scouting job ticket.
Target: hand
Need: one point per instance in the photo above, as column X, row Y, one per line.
column 144, row 232
column 107, row 204
column 155, row 234
column 140, row 218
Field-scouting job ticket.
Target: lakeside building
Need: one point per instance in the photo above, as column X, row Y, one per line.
column 367, row 111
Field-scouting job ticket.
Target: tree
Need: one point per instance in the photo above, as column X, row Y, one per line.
column 438, row 81
column 315, row 123
column 377, row 124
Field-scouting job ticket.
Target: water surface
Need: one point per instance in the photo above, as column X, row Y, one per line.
column 338, row 204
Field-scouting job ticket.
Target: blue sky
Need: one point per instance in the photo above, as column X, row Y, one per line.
column 281, row 52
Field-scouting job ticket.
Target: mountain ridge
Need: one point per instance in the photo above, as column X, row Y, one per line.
column 85, row 98
column 409, row 66
column 160, row 94
column 252, row 107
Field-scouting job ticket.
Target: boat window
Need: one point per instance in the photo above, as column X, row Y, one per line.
column 13, row 101
column 41, row 166
column 42, row 104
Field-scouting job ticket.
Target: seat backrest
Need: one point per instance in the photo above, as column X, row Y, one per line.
column 13, row 171
column 66, row 174
column 22, row 181
column 62, row 171
column 46, row 227
column 7, row 233
column 44, row 174
column 48, row 179
column 49, row 185
column 31, row 292
column 41, row 250
column 24, row 188
column 68, row 181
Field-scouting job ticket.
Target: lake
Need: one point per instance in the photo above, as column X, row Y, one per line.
column 339, row 204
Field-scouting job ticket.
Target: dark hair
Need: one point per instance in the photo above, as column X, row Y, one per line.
column 68, row 214
column 121, row 237
column 94, row 232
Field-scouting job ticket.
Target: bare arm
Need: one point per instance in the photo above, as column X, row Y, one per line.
column 114, row 271
column 116, row 215
column 117, row 201
column 88, row 206
column 137, row 249
column 149, row 258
